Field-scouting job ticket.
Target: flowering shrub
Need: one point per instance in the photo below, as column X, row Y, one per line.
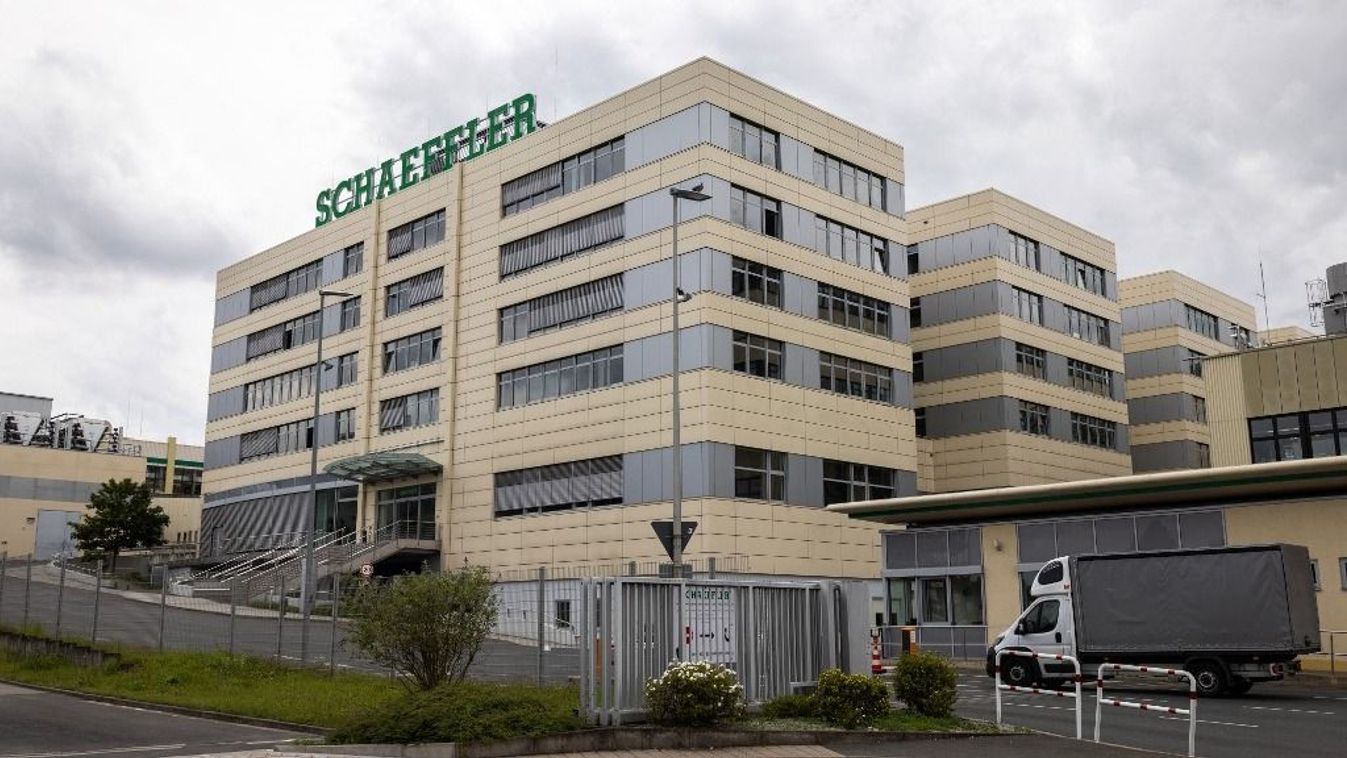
column 693, row 693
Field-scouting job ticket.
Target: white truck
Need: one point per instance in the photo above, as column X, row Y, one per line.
column 1230, row 616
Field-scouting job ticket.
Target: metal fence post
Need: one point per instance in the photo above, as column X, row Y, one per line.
column 98, row 592
column 4, row 561
column 163, row 603
column 27, row 591
column 280, row 612
column 711, row 567
column 233, row 610
column 336, row 601
column 60, row 597
column 542, row 605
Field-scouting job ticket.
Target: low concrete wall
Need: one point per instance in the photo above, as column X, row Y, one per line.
column 80, row 655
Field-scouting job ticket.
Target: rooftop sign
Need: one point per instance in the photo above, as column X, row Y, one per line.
column 502, row 124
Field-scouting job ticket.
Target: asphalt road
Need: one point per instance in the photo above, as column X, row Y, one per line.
column 1287, row 718
column 37, row 724
column 136, row 623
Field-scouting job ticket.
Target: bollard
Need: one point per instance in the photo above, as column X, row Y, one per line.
column 4, row 559
column 60, row 598
column 280, row 613
column 233, row 610
column 542, row 606
column 98, row 592
column 332, row 651
column 27, row 591
column 163, row 603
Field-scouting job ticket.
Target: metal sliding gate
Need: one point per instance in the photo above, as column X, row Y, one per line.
column 777, row 636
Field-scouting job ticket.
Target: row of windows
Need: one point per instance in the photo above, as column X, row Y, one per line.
column 414, row 291
column 1090, row 378
column 1096, row 432
column 1087, row 326
column 306, row 278
column 559, row 487
column 847, row 482
column 756, row 143
column 294, row 385
column 1086, row 276
column 1030, row 360
column 1201, row 322
column 544, row 381
column 418, row 409
column 563, row 177
column 416, row 235
column 754, row 212
column 554, row 310
column 759, row 474
column 755, row 282
column 413, row 350
column 293, row 437
column 756, row 355
column 853, row 310
column 848, row 180
column 851, row 245
column 284, row 336
column 1295, row 436
column 1027, row 306
column 561, row 242
column 1033, row 418
column 849, row 376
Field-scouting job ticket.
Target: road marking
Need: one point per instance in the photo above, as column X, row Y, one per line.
column 1016, row 705
column 136, row 749
column 1216, row 723
column 1325, row 697
column 1288, row 710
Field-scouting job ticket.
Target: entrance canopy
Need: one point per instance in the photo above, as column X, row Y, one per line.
column 1229, row 485
column 382, row 467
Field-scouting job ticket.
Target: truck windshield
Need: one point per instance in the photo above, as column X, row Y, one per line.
column 1042, row 618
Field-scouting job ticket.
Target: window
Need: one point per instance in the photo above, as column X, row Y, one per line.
column 756, row 143
column 347, row 367
column 544, row 381
column 1030, row 360
column 913, row 260
column 1042, row 619
column 1084, row 275
column 848, row 180
column 413, row 292
column 919, row 418
column 350, row 313
column 1342, row 572
column 300, row 331
column 935, row 600
column 345, row 425
column 156, row 476
column 279, row 389
column 759, row 474
column 1293, row 436
column 306, row 278
column 1090, row 378
column 1092, row 431
column 353, row 259
column 755, row 282
column 1052, row 573
column 1027, row 306
column 1087, row 326
column 572, row 305
column 565, row 176
column 1194, row 362
column 559, row 487
column 1200, row 409
column 416, row 235
column 413, row 350
column 914, row 312
column 411, row 508
column 1241, row 336
column 561, row 242
column 848, row 376
column 276, row 440
column 1202, row 322
column 1033, row 418
column 851, row 245
column 1025, row 251
column 1203, row 455
column 756, row 355
column 754, row 212
column 853, row 310
column 419, row 409
column 561, row 614
column 846, row 482
column 186, row 481
column 919, row 366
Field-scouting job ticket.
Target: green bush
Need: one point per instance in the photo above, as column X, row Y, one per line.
column 849, row 700
column 693, row 693
column 926, row 683
column 789, row 707
column 466, row 712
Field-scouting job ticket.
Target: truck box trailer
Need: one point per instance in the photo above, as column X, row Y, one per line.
column 1231, row 616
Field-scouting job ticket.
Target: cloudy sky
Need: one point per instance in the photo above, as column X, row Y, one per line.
column 143, row 146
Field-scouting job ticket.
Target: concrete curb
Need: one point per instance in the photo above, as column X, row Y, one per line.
column 180, row 710
column 642, row 738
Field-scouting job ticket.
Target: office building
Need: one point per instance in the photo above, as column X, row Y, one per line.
column 1170, row 323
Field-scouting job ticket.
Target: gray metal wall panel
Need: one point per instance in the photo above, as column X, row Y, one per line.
column 900, row 320
column 222, row 452
column 895, row 201
column 1164, row 456
column 227, row 355
column 667, row 136
column 906, row 484
column 1156, row 362
column 232, row 306
column 225, row 403
column 800, row 366
column 804, row 480
column 334, row 267
column 719, row 120
column 799, row 295
column 966, row 417
column 327, row 429
column 1059, row 423
column 49, row 490
column 331, row 319
column 1176, row 406
column 902, row 389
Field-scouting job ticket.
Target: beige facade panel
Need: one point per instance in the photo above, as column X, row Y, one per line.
column 1280, row 334
column 35, row 478
column 1152, row 339
column 1171, row 285
column 1169, row 431
column 1019, row 386
column 1001, row 326
column 1167, row 384
column 995, row 269
column 1011, row 459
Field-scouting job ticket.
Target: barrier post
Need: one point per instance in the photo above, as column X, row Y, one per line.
column 1076, row 678
column 1190, row 711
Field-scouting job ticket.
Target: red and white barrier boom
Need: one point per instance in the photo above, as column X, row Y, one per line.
column 1075, row 664
column 1191, row 711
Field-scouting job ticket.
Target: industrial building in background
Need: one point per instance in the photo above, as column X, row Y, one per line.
column 51, row 463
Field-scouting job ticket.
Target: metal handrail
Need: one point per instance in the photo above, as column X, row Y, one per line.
column 1191, row 711
column 1332, row 651
column 1076, row 678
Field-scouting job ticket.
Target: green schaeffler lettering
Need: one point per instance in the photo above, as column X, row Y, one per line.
column 439, row 153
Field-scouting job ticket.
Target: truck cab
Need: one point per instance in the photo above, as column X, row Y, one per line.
column 1047, row 627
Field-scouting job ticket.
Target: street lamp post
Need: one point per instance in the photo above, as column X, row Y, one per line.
column 307, row 585
column 695, row 195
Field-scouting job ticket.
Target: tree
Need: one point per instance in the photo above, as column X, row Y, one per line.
column 122, row 516
column 428, row 627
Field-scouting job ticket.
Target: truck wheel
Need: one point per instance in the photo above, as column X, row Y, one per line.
column 1210, row 678
column 1021, row 672
column 1240, row 686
